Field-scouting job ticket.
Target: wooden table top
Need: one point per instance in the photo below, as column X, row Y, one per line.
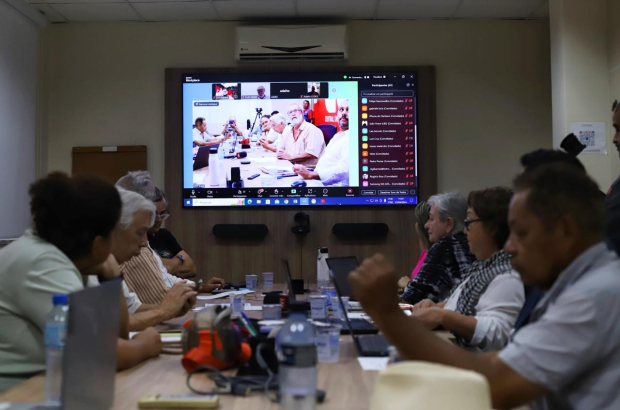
column 347, row 386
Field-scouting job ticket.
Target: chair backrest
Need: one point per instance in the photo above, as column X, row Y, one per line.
column 328, row 131
column 420, row 385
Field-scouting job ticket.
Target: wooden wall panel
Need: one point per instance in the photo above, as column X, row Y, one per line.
column 233, row 259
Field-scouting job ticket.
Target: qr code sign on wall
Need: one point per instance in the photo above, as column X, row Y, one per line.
column 587, row 138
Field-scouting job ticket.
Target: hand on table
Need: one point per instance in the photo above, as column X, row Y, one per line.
column 302, row 171
column 283, row 155
column 213, row 284
column 430, row 317
column 150, row 340
column 179, row 297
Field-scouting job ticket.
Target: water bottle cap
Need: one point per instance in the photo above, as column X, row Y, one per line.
column 213, row 150
column 323, row 249
column 60, row 299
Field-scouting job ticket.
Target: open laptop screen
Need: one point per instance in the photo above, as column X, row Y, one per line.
column 341, row 267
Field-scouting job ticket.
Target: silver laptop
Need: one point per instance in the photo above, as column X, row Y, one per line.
column 89, row 360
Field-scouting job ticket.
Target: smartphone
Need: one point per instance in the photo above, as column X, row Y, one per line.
column 198, row 285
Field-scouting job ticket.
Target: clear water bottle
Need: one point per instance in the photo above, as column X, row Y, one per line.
column 214, row 168
column 55, row 332
column 220, row 152
column 297, row 356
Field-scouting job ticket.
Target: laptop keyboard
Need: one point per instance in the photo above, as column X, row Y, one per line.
column 374, row 343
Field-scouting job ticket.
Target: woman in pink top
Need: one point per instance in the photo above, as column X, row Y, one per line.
column 421, row 217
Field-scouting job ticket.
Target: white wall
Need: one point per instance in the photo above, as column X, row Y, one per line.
column 105, row 85
column 18, row 108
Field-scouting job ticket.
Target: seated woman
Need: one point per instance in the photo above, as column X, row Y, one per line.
column 421, row 218
column 74, row 221
column 482, row 311
column 448, row 260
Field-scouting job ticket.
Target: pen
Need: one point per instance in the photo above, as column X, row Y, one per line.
column 246, row 323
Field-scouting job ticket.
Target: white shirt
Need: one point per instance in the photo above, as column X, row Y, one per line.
column 333, row 166
column 201, row 136
column 496, row 312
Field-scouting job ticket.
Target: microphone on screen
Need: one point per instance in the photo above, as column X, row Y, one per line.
column 238, row 155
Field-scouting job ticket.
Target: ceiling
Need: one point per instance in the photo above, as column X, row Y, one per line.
column 64, row 11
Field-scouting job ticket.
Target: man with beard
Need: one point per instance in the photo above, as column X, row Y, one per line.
column 333, row 166
column 303, row 143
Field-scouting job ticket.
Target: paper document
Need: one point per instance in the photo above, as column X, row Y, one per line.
column 358, row 315
column 373, row 363
column 224, row 294
column 249, row 308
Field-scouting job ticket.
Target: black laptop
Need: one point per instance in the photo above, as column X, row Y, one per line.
column 341, row 267
column 202, row 156
column 366, row 345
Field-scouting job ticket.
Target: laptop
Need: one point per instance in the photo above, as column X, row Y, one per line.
column 289, row 281
column 202, row 157
column 89, row 361
column 341, row 267
column 366, row 345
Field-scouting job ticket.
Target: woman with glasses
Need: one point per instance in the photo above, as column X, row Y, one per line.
column 448, row 259
column 483, row 309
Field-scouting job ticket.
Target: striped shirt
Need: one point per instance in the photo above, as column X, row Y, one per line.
column 143, row 277
column 446, row 266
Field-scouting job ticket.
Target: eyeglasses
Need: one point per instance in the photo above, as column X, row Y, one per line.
column 294, row 111
column 467, row 223
column 164, row 215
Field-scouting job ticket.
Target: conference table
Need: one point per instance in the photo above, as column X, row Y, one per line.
column 260, row 159
column 346, row 384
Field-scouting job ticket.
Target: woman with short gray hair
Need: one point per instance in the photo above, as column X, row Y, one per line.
column 448, row 260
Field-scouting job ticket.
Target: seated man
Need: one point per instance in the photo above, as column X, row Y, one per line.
column 448, row 260
column 74, row 219
column 333, row 166
column 201, row 136
column 231, row 129
column 303, row 143
column 482, row 311
column 174, row 258
column 146, row 275
column 277, row 125
column 128, row 239
column 568, row 356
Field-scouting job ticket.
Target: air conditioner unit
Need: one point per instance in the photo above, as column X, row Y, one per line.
column 281, row 43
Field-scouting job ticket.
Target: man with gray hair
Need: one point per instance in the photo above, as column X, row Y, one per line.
column 303, row 143
column 128, row 241
column 140, row 182
column 448, row 260
column 333, row 166
column 278, row 125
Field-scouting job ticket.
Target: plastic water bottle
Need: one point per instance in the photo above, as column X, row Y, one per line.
column 214, row 168
column 297, row 356
column 55, row 331
column 322, row 271
column 220, row 152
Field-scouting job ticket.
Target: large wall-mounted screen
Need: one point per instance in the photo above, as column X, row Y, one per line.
column 300, row 139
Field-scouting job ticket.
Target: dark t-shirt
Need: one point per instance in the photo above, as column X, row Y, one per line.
column 164, row 243
column 613, row 208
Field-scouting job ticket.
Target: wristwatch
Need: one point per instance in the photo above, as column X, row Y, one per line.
column 181, row 258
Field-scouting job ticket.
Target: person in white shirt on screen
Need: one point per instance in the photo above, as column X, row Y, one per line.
column 277, row 126
column 333, row 167
column 304, row 143
column 201, row 135
column 261, row 93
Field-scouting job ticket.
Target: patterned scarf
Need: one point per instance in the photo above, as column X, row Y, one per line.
column 481, row 275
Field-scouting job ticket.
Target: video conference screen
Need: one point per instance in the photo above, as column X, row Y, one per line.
column 300, row 139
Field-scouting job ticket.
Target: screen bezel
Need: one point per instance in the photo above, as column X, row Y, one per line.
column 426, row 122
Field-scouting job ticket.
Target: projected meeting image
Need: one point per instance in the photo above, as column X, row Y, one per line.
column 253, row 143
